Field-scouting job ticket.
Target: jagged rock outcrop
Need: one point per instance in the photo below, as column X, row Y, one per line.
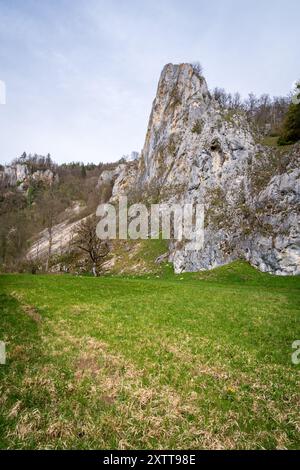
column 195, row 151
column 109, row 176
column 126, row 179
column 20, row 175
column 122, row 169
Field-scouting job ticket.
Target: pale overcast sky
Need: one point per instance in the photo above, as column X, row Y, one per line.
column 81, row 75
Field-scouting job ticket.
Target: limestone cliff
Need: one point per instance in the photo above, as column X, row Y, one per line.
column 194, row 151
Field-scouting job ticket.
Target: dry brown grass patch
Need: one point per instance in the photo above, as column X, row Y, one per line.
column 30, row 310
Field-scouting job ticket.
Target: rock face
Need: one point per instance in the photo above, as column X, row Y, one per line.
column 20, row 175
column 109, row 176
column 195, row 151
column 62, row 235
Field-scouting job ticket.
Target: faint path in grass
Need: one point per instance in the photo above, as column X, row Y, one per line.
column 177, row 362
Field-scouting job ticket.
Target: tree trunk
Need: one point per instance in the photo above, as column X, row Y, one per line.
column 94, row 270
column 49, row 248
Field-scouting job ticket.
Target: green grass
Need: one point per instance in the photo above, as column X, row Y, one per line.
column 137, row 256
column 197, row 360
column 272, row 141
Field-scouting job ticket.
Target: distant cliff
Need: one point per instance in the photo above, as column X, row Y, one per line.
column 20, row 175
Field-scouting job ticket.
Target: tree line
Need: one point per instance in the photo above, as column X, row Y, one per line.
column 265, row 112
column 277, row 116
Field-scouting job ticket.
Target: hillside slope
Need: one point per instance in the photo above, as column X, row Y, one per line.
column 197, row 151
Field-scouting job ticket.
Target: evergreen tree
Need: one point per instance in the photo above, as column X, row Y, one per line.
column 83, row 171
column 291, row 127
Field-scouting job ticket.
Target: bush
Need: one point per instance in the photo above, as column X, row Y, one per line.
column 291, row 127
column 197, row 127
column 198, row 69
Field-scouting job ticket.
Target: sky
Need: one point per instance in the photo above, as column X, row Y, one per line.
column 80, row 75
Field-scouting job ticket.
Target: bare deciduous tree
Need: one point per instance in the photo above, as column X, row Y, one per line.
column 198, row 69
column 50, row 208
column 86, row 239
column 265, row 112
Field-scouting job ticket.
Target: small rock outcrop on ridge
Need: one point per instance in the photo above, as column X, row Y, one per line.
column 21, row 175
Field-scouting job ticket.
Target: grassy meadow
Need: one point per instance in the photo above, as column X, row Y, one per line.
column 158, row 361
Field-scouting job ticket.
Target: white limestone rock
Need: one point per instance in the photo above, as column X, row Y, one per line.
column 194, row 151
column 19, row 175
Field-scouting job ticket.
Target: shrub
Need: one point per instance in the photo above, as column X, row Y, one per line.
column 197, row 127
column 198, row 69
column 291, row 127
